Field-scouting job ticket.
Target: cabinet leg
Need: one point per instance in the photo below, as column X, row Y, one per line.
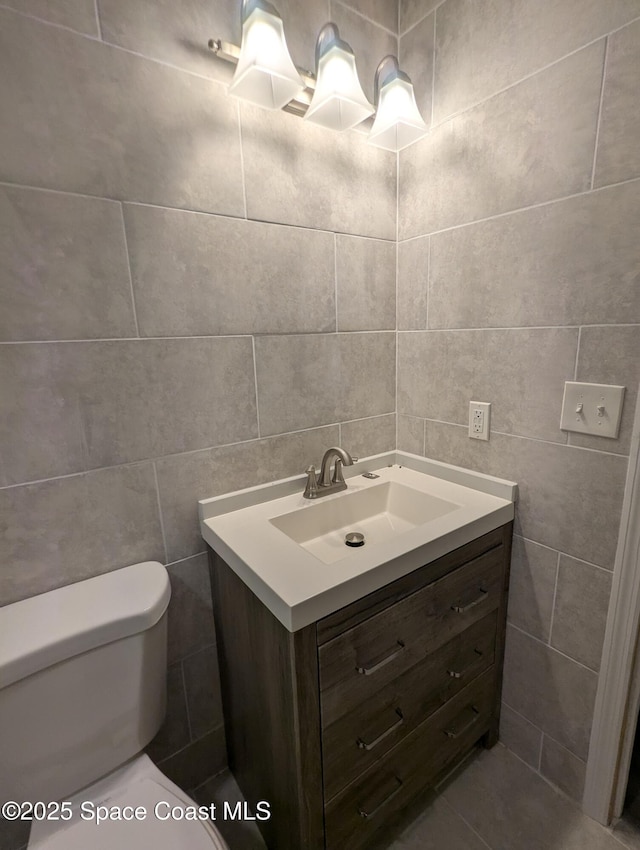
column 490, row 738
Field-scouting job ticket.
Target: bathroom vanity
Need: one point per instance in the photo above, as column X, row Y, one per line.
column 342, row 721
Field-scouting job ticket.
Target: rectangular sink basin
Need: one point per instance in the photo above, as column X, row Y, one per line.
column 380, row 513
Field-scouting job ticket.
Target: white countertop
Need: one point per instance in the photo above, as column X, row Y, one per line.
column 296, row 586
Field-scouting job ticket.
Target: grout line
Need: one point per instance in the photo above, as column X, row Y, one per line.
column 245, row 335
column 98, row 21
column 575, row 367
column 209, row 213
column 113, row 46
column 335, row 277
column 126, row 250
column 420, row 20
column 522, row 716
column 182, row 560
column 525, row 209
column 539, row 768
column 244, row 180
column 364, row 17
column 44, row 21
column 255, row 380
column 173, row 455
column 566, row 554
column 554, row 649
column 433, row 70
column 428, row 282
column 424, row 439
column 518, row 328
column 164, row 538
column 553, row 603
column 599, row 118
column 443, row 797
column 186, row 700
column 521, row 437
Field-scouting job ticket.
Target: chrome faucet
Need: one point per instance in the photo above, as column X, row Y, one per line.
column 328, row 483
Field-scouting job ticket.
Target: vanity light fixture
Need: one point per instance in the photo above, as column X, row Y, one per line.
column 338, row 101
column 265, row 74
column 398, row 122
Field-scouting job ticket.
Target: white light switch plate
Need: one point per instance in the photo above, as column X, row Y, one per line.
column 592, row 409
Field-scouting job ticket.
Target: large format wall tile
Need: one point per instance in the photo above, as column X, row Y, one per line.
column 412, row 11
column 521, row 372
column 369, row 43
column 563, row 768
column 301, row 174
column 520, row 736
column 416, row 59
column 572, row 262
column 410, row 434
column 63, row 267
column 413, row 284
column 155, row 397
column 611, row 355
column 364, row 437
column 40, row 420
column 196, row 274
column 618, row 156
column 305, row 381
column 202, row 687
column 513, row 807
column 568, row 499
column 532, row 586
column 531, row 143
column 184, row 479
column 77, row 14
column 58, row 532
column 172, row 140
column 190, row 620
column 552, row 691
column 384, row 12
column 484, row 47
column 366, row 284
column 580, row 611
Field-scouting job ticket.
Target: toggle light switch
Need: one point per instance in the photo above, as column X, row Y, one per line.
column 592, row 408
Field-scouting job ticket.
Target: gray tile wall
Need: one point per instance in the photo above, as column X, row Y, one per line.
column 518, row 269
column 195, row 296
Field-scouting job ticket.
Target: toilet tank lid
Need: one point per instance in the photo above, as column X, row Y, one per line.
column 46, row 629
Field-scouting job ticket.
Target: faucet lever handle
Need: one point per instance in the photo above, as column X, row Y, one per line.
column 311, row 490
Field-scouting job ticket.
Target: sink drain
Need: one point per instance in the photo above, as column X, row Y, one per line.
column 354, row 538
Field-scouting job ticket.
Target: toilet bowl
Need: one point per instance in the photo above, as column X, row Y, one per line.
column 82, row 692
column 134, row 808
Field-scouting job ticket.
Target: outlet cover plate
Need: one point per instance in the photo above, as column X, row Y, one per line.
column 589, row 419
column 479, row 420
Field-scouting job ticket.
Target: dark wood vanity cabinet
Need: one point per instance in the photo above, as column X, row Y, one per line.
column 343, row 724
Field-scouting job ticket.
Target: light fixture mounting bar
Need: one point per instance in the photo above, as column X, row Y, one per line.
column 230, row 53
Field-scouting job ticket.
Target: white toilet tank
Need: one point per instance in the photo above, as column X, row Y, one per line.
column 82, row 681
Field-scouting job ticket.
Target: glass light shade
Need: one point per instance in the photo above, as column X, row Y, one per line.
column 265, row 74
column 338, row 101
column 398, row 122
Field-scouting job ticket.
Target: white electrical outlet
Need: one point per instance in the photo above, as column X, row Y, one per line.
column 479, row 420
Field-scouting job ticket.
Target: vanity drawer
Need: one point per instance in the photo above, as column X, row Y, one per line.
column 359, row 738
column 357, row 664
column 354, row 816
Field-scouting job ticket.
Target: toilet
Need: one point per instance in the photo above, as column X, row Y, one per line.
column 82, row 692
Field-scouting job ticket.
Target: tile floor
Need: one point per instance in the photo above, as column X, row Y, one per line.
column 496, row 802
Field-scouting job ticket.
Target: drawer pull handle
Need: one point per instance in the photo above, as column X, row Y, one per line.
column 455, row 733
column 461, row 609
column 368, row 747
column 458, row 675
column 366, row 815
column 367, row 671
